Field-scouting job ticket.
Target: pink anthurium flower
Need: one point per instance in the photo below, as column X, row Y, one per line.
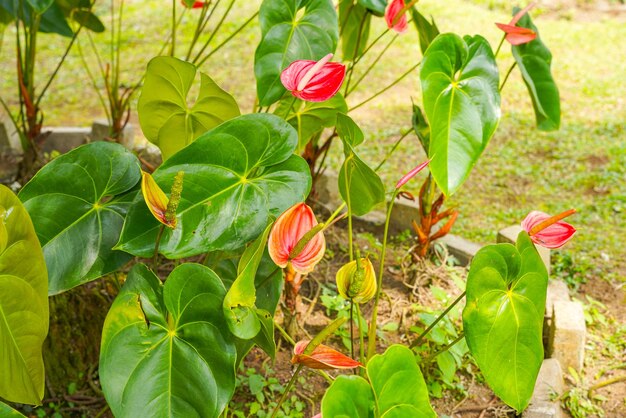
column 323, row 357
column 408, row 176
column 395, row 22
column 287, row 231
column 516, row 35
column 549, row 231
column 313, row 81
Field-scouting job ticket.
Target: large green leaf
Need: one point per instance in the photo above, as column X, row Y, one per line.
column 78, row 202
column 40, row 6
column 23, row 304
column 166, row 350
column 354, row 29
column 310, row 118
column 51, row 21
column 503, row 317
column 237, row 176
column 534, row 60
column 7, row 412
column 397, row 381
column 396, row 389
column 349, row 397
column 359, row 185
column 462, row 103
column 165, row 116
column 289, row 34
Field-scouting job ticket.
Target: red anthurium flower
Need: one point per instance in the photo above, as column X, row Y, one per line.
column 399, row 24
column 408, row 176
column 196, row 4
column 323, row 357
column 549, row 231
column 287, row 231
column 313, row 81
column 516, row 35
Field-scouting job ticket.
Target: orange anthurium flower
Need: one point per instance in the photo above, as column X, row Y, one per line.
column 549, row 231
column 516, row 35
column 323, row 357
column 393, row 22
column 287, row 231
column 156, row 200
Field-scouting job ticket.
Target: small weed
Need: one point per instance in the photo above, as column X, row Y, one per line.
column 577, row 400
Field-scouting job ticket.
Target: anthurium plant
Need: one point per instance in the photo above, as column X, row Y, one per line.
column 228, row 205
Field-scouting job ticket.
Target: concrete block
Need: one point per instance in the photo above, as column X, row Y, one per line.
column 100, row 130
column 509, row 234
column 549, row 382
column 557, row 292
column 460, row 248
column 9, row 137
column 567, row 335
column 64, row 139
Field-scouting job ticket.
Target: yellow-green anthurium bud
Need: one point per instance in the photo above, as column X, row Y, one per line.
column 357, row 280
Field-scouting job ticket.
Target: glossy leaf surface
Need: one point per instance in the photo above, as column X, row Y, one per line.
column 534, row 60
column 377, row 7
column 354, row 20
column 7, row 412
column 166, row 118
column 462, row 103
column 310, row 118
column 397, row 389
column 78, row 202
column 503, row 317
column 23, row 304
column 166, row 350
column 291, row 30
column 237, row 176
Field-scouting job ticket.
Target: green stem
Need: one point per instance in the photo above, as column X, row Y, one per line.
column 293, row 102
column 508, row 73
column 356, row 51
column 351, row 328
column 499, row 46
column 420, row 338
column 606, row 383
column 361, row 338
column 372, row 65
column 285, row 335
column 392, row 150
column 173, row 44
column 155, row 257
column 350, row 238
column 386, row 88
column 371, row 336
column 197, row 60
column 286, row 391
column 443, row 350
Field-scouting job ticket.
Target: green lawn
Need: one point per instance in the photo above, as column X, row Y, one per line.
column 580, row 166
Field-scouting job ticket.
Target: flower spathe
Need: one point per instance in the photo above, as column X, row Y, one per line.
column 322, row 357
column 287, row 231
column 408, row 176
column 356, row 280
column 156, row 200
column 399, row 24
column 313, row 81
column 549, row 231
column 516, row 35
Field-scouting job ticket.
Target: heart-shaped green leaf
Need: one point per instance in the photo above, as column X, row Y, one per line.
column 310, row 118
column 51, row 21
column 164, row 114
column 40, row 6
column 354, row 29
column 289, row 34
column 7, row 412
column 23, row 304
column 237, row 176
column 503, row 317
column 462, row 103
column 78, row 202
column 534, row 60
column 360, row 187
column 166, row 350
column 349, row 397
column 397, row 381
column 396, row 389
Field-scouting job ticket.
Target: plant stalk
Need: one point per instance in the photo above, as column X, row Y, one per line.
column 419, row 339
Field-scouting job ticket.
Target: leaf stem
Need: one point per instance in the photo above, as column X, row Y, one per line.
column 371, row 336
column 508, row 73
column 386, row 88
column 444, row 349
column 361, row 337
column 420, row 338
column 606, row 383
column 372, row 65
column 352, row 328
column 499, row 46
column 155, row 257
column 231, row 36
column 286, row 391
